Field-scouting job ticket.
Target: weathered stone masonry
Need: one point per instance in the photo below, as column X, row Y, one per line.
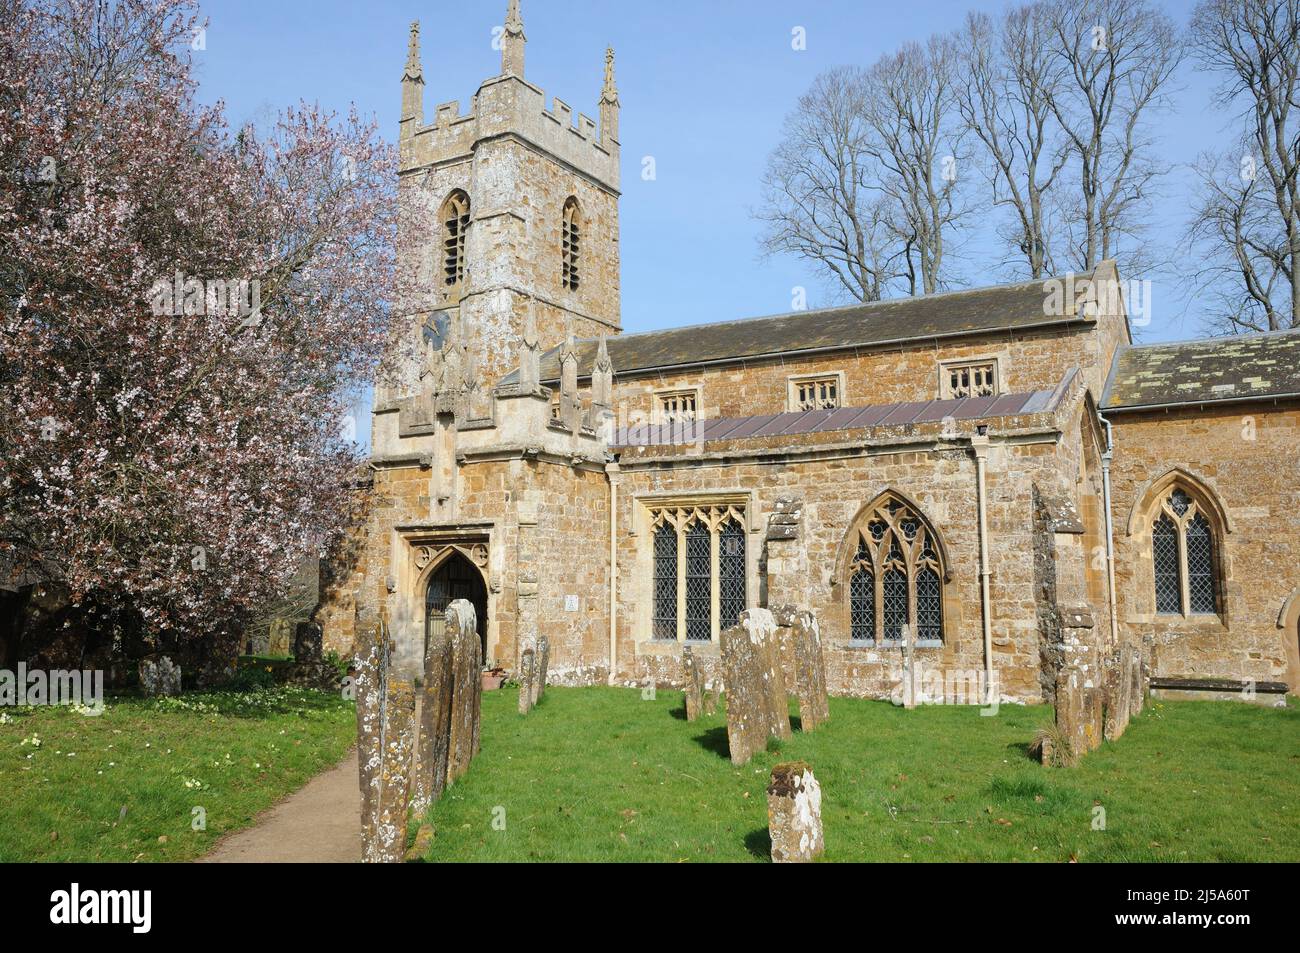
column 626, row 495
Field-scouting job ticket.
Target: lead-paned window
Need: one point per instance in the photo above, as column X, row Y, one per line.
column 1183, row 557
column 700, row 582
column 895, row 577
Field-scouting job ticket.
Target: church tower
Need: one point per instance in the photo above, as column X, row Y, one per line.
column 519, row 211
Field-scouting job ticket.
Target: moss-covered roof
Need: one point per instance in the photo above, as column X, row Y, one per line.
column 972, row 311
column 1237, row 367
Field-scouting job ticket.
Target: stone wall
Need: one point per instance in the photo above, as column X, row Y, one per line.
column 1248, row 458
column 835, row 485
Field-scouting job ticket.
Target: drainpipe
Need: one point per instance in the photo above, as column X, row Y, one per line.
column 980, row 446
column 1106, row 457
column 613, row 475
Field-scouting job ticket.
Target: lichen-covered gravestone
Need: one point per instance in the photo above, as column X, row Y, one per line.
column 467, row 686
column 692, row 688
column 756, row 702
column 159, row 675
column 385, row 743
column 527, row 673
column 541, row 663
column 794, row 814
column 809, row 670
column 435, row 723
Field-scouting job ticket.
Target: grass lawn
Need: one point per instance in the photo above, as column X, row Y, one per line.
column 600, row 774
column 122, row 786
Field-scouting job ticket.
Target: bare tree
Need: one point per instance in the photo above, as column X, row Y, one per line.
column 1009, row 77
column 1116, row 59
column 821, row 199
column 864, row 181
column 911, row 108
column 1248, row 221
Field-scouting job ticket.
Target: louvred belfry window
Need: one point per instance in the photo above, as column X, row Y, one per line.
column 1183, row 557
column 570, row 244
column 455, row 223
column 895, row 577
column 700, row 583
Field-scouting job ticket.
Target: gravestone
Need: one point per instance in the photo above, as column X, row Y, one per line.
column 713, row 699
column 467, row 686
column 280, row 641
column 542, row 662
column 692, row 688
column 526, row 676
column 794, row 814
column 1119, row 692
column 809, row 670
column 756, row 701
column 435, row 723
column 159, row 675
column 385, row 742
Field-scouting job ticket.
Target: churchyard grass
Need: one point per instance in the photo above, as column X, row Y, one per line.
column 232, row 754
column 601, row 774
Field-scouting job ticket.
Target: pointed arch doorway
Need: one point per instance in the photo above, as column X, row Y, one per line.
column 456, row 578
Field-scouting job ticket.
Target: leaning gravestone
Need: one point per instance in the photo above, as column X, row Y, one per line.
column 756, row 702
column 385, row 739
column 794, row 814
column 159, row 675
column 527, row 673
column 692, row 689
column 435, row 723
column 467, row 686
column 540, row 664
column 809, row 670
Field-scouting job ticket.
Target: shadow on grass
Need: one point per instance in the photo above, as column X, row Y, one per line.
column 759, row 843
column 679, row 713
column 1025, row 749
column 715, row 740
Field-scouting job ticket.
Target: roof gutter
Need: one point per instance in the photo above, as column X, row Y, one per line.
column 1218, row 402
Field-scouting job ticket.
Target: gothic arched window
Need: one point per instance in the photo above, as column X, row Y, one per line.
column 1183, row 556
column 455, row 222
column 570, row 242
column 895, row 576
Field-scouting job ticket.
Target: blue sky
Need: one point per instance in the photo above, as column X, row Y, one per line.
column 704, row 88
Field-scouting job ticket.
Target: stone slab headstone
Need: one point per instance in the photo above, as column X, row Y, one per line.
column 467, row 686
column 713, row 698
column 691, row 688
column 435, row 724
column 756, row 702
column 385, row 747
column 527, row 676
column 794, row 814
column 541, row 663
column 159, row 676
column 809, row 670
column 280, row 642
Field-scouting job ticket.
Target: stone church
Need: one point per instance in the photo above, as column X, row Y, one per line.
column 998, row 476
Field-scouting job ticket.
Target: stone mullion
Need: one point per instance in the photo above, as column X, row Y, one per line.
column 715, row 582
column 1184, row 577
column 681, row 578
